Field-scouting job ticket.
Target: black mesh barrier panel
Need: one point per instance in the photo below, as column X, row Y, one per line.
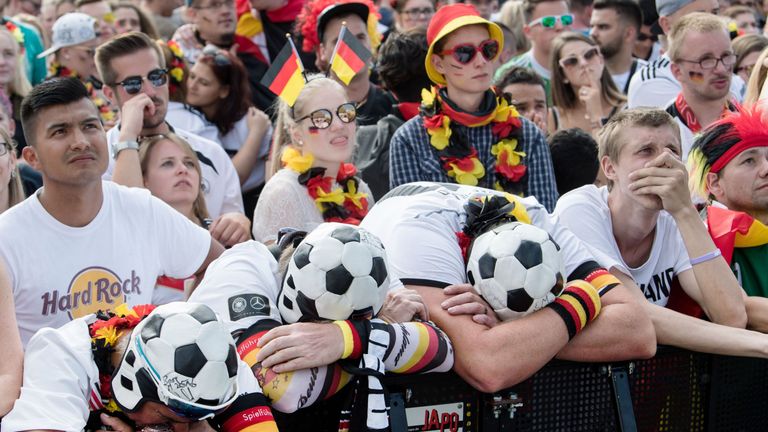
column 741, row 389
column 676, row 391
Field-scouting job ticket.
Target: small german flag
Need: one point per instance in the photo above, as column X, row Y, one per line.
column 349, row 56
column 285, row 77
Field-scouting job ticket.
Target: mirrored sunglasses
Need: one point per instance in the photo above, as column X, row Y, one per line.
column 465, row 53
column 550, row 21
column 132, row 84
column 322, row 118
column 587, row 56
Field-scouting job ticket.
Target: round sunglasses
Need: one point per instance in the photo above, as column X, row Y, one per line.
column 465, row 53
column 132, row 84
column 587, row 55
column 322, row 118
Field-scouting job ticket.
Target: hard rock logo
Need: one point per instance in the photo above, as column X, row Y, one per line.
column 91, row 289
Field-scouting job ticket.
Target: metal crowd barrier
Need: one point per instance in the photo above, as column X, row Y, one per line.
column 677, row 390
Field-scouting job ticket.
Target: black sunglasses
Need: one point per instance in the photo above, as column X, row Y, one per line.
column 465, row 53
column 322, row 118
column 132, row 84
column 642, row 37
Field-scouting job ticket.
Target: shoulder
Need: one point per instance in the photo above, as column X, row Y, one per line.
column 585, row 196
column 200, row 144
column 411, row 128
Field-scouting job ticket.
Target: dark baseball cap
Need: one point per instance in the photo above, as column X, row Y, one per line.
column 340, row 9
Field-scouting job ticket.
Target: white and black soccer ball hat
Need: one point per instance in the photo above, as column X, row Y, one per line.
column 337, row 272
column 182, row 356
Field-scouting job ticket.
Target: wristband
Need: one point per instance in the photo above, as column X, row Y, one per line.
column 353, row 346
column 577, row 305
column 602, row 280
column 706, row 257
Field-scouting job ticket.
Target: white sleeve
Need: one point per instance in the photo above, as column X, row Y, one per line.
column 233, row 198
column 655, row 93
column 283, row 205
column 425, row 253
column 240, row 286
column 56, row 386
column 181, row 245
column 682, row 261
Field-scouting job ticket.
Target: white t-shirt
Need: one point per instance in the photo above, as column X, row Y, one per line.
column 585, row 212
column 184, row 117
column 621, row 79
column 221, row 185
column 284, row 202
column 59, row 273
column 418, row 222
column 62, row 399
column 686, row 138
column 655, row 86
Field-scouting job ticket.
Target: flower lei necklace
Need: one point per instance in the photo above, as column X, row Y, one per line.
column 458, row 156
column 345, row 204
column 56, row 70
column 105, row 333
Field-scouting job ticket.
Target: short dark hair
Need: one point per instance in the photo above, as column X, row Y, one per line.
column 627, row 10
column 519, row 75
column 57, row 91
column 401, row 64
column 119, row 46
column 574, row 158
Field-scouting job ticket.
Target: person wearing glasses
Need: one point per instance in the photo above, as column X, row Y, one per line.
column 218, row 87
column 702, row 61
column 747, row 49
column 412, row 13
column 136, row 78
column 312, row 183
column 647, row 46
column 117, row 372
column 615, row 25
column 466, row 133
column 656, row 85
column 583, row 91
column 545, row 20
column 75, row 38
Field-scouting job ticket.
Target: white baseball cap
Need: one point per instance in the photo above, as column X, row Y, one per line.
column 70, row 29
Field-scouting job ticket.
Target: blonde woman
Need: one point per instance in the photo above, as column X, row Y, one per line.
column 13, row 78
column 757, row 78
column 313, row 140
column 11, row 190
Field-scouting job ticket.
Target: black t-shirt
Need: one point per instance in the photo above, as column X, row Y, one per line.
column 378, row 104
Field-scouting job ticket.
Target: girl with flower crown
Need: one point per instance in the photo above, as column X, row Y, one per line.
column 313, row 140
column 467, row 132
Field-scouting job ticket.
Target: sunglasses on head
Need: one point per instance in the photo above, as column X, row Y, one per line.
column 322, row 118
column 132, row 84
column 465, row 53
column 217, row 55
column 642, row 37
column 188, row 410
column 587, row 56
column 550, row 21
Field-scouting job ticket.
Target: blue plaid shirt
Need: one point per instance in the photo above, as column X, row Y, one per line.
column 412, row 158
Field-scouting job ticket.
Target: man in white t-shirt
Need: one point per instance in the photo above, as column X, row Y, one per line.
column 136, row 80
column 81, row 244
column 644, row 226
column 655, row 85
column 421, row 226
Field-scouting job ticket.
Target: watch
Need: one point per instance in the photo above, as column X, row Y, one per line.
column 122, row 145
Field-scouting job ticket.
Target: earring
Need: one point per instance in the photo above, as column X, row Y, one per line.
column 13, row 175
column 300, row 143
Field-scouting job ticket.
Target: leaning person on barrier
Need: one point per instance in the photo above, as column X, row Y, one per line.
column 644, row 228
column 421, row 224
column 729, row 168
column 301, row 364
column 134, row 369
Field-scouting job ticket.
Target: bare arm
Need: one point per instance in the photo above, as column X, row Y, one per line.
column 622, row 330
column 757, row 313
column 711, row 283
column 13, row 355
column 248, row 155
column 676, row 329
column 127, row 170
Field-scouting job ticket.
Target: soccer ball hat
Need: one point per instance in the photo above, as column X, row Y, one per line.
column 182, row 356
column 449, row 19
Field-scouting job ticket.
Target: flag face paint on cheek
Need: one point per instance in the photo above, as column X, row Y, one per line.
column 314, row 130
column 696, row 77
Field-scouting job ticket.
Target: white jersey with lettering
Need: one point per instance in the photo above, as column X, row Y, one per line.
column 59, row 273
column 418, row 222
column 585, row 211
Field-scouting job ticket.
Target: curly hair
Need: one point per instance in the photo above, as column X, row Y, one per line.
column 306, row 22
